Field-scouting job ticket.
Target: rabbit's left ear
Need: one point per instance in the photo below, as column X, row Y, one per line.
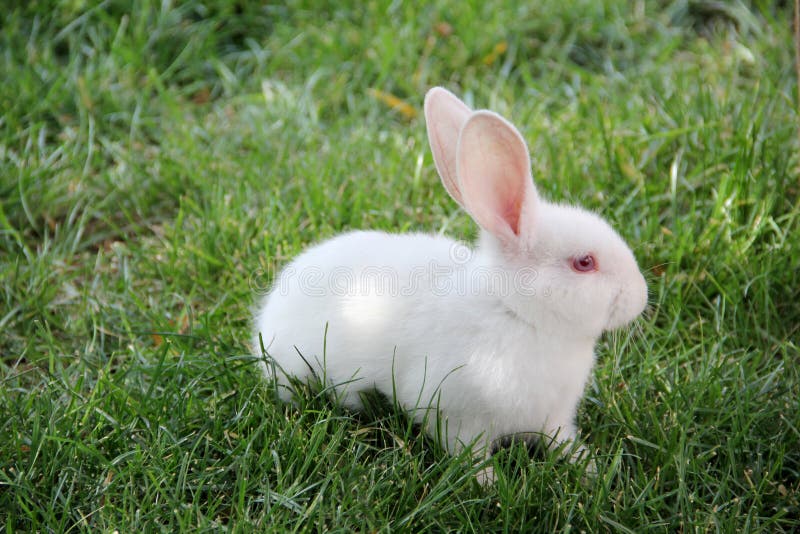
column 494, row 176
column 445, row 115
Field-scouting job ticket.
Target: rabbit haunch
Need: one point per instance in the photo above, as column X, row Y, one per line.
column 508, row 352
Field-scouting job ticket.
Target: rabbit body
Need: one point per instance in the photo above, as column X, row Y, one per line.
column 429, row 334
column 496, row 341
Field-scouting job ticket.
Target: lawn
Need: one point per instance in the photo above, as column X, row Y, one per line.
column 159, row 162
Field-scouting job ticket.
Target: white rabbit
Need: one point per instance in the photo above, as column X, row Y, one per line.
column 499, row 339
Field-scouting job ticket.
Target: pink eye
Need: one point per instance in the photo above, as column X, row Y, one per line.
column 584, row 264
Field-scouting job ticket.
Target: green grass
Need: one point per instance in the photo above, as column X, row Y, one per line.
column 157, row 163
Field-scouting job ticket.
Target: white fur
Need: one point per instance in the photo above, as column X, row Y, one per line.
column 499, row 340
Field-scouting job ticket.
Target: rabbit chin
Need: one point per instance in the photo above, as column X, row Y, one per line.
column 560, row 315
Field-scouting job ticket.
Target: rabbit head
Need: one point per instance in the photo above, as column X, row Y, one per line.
column 563, row 268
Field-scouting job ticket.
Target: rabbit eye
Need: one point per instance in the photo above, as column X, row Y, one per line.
column 584, row 264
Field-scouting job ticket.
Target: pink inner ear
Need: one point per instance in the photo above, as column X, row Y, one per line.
column 493, row 170
column 511, row 212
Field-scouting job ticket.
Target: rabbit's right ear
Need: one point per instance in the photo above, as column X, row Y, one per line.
column 494, row 176
column 445, row 115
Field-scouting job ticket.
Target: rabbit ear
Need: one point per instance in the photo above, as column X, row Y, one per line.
column 494, row 176
column 445, row 115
